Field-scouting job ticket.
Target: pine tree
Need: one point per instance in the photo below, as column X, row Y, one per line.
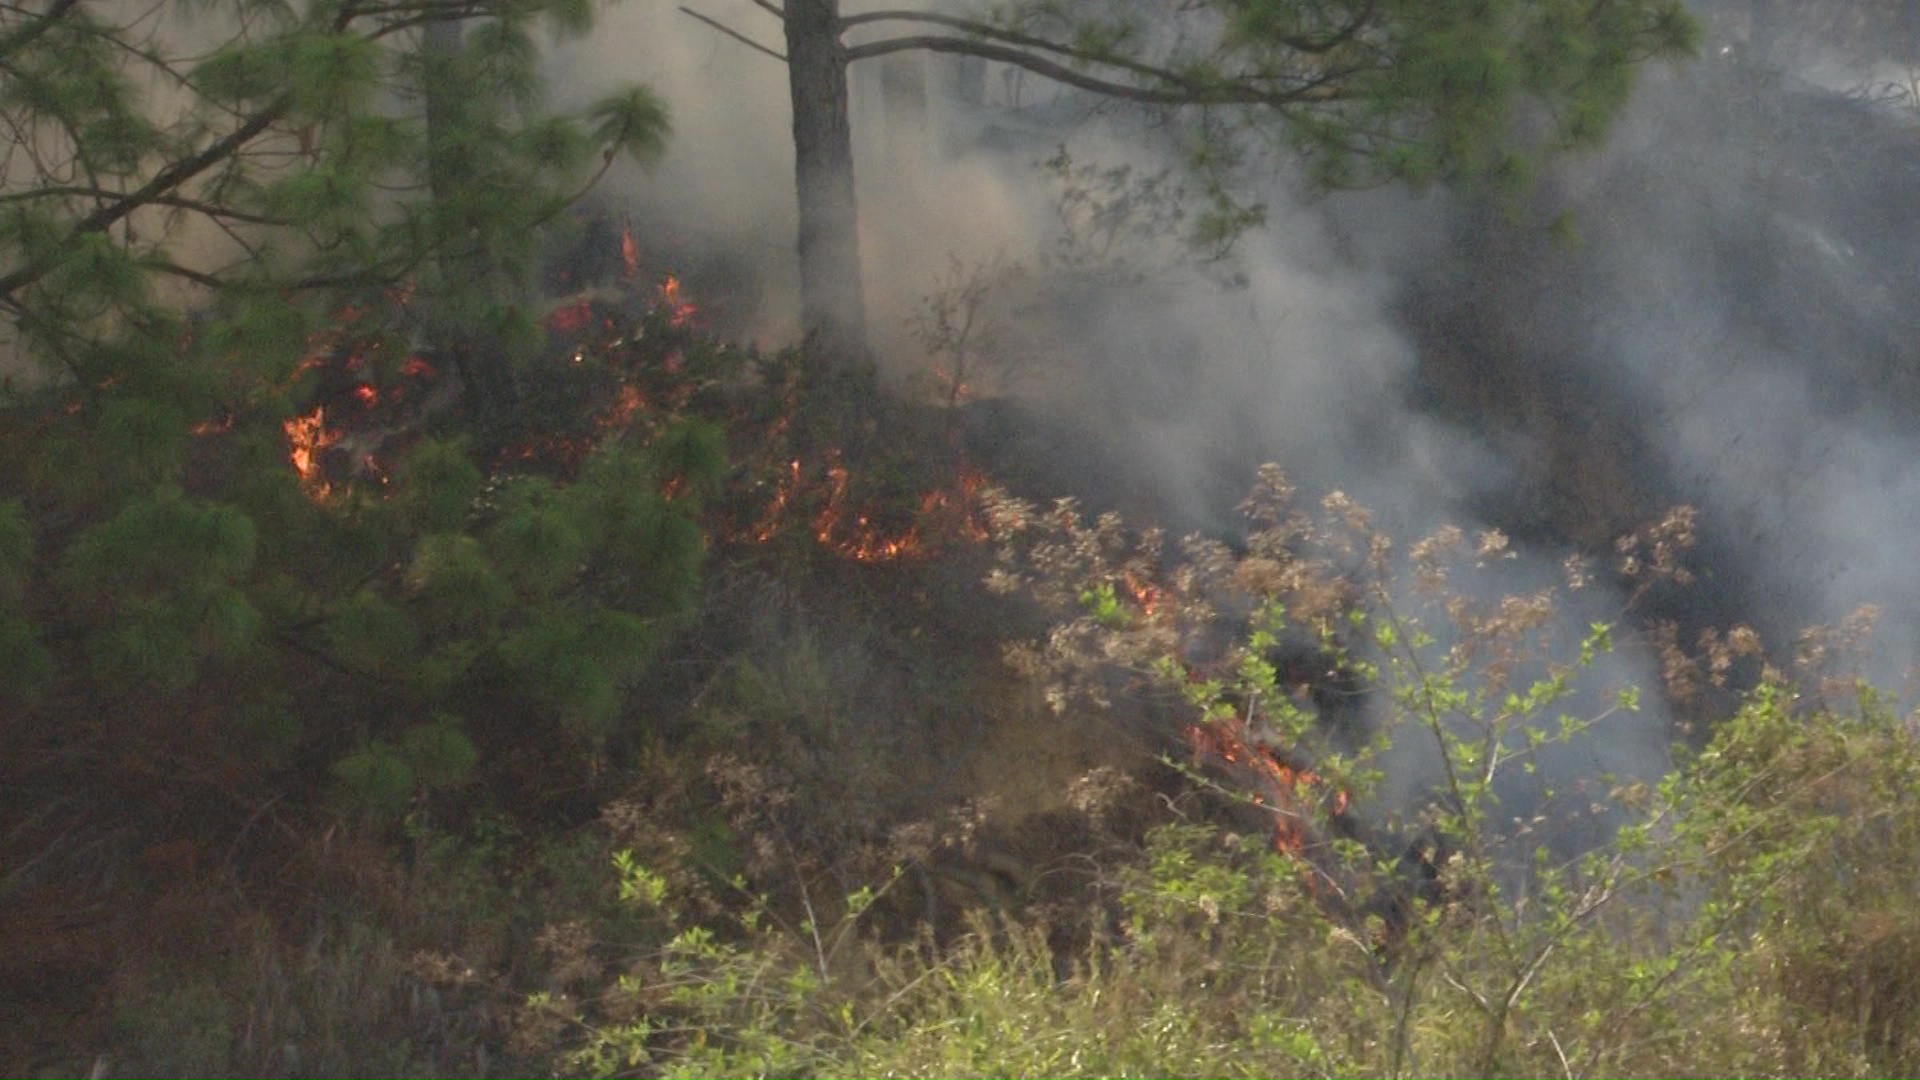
column 193, row 241
column 1367, row 91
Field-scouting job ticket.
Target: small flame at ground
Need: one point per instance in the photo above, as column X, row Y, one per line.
column 571, row 319
column 1286, row 790
column 307, row 436
column 673, row 297
column 629, row 254
column 951, row 387
column 945, row 515
column 1146, row 595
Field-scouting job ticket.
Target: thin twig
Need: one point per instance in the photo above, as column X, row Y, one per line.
column 736, row 35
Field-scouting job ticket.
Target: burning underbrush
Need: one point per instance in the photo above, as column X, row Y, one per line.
column 943, row 516
column 1268, row 886
column 1301, row 672
column 620, row 365
column 702, row 596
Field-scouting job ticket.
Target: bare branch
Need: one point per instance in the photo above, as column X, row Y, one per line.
column 775, row 10
column 198, row 277
column 1183, row 91
column 738, row 36
column 1339, row 37
column 167, row 180
column 1012, row 37
column 180, row 202
column 162, row 185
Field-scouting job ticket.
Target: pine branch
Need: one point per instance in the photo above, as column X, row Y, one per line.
column 153, row 191
column 211, row 210
column 736, row 35
column 1184, row 90
column 990, row 32
column 30, row 33
column 167, row 180
column 201, row 278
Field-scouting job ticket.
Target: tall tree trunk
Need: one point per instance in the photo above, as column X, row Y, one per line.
column 832, row 311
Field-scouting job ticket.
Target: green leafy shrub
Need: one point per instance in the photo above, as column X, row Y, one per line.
column 1697, row 928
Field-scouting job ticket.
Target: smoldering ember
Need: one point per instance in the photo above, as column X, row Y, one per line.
column 1043, row 538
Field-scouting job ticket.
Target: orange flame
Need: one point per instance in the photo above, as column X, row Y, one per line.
column 673, row 297
column 1287, row 790
column 1145, row 594
column 953, row 389
column 307, row 436
column 629, row 253
column 945, row 515
column 572, row 318
column 769, row 524
column 629, row 402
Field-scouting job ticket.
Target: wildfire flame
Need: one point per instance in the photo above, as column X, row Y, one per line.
column 629, row 253
column 673, row 297
column 1144, row 593
column 357, row 425
column 769, row 524
column 572, row 318
column 307, row 436
column 945, row 514
column 1287, row 790
column 952, row 388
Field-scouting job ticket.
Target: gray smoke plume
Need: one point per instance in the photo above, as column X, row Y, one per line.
column 1727, row 323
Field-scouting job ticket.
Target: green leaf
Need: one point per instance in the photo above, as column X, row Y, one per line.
column 227, row 622
column 462, row 591
column 372, row 634
column 538, row 540
column 241, row 73
column 263, row 334
column 438, row 485
column 375, row 778
column 439, row 754
column 694, row 453
column 161, row 542
column 331, row 75
column 632, row 121
column 141, row 439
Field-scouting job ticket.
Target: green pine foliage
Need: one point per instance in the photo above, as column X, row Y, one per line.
column 323, row 186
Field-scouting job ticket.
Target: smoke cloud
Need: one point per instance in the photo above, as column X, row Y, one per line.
column 1729, row 327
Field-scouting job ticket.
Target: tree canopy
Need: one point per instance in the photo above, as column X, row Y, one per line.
column 1366, row 91
column 225, row 224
